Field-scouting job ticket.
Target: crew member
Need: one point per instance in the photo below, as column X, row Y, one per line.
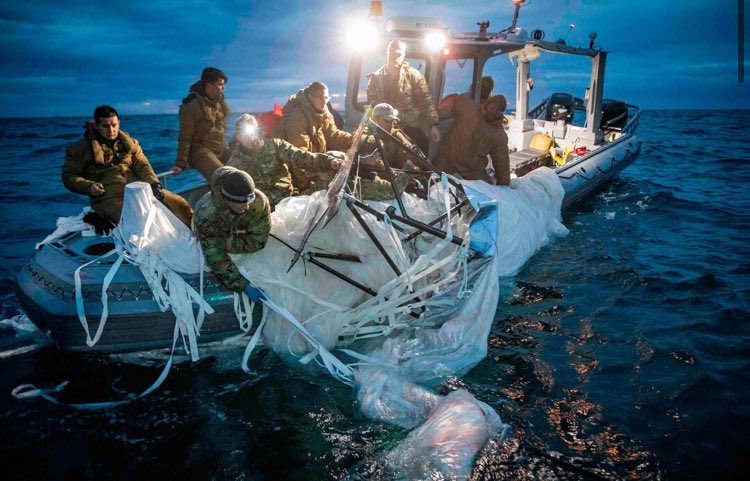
column 404, row 87
column 271, row 161
column 234, row 218
column 476, row 133
column 203, row 125
column 103, row 162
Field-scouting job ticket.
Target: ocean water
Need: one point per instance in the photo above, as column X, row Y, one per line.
column 619, row 352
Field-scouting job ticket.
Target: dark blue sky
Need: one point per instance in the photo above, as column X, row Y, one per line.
column 64, row 58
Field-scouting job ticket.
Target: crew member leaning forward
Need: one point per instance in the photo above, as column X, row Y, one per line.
column 309, row 125
column 104, row 161
column 371, row 168
column 203, row 125
column 404, row 87
column 271, row 161
column 234, row 218
column 476, row 132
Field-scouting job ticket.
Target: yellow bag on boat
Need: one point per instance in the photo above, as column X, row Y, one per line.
column 541, row 142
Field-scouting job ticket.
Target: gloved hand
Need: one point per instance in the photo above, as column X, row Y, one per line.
column 255, row 293
column 156, row 189
column 101, row 225
column 368, row 174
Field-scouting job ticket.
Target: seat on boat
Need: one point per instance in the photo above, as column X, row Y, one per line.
column 524, row 161
column 537, row 155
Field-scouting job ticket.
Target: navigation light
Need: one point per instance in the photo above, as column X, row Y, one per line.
column 362, row 36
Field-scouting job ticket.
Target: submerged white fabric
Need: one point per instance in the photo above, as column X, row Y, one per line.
column 433, row 318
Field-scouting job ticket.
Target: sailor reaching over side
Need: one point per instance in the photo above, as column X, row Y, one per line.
column 234, row 218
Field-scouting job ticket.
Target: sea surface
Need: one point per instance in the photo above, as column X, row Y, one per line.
column 621, row 351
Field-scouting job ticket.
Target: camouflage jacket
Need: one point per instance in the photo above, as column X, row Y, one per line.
column 396, row 155
column 222, row 232
column 412, row 96
column 203, row 123
column 113, row 164
column 271, row 167
column 465, row 147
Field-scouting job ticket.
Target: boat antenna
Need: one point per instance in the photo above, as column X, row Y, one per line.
column 518, row 4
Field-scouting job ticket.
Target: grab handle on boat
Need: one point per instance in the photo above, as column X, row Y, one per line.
column 163, row 177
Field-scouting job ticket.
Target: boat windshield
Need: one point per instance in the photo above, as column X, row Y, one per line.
column 459, row 76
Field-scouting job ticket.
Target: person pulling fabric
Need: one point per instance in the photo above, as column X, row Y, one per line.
column 234, row 218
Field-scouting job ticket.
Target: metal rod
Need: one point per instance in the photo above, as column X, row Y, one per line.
column 436, row 220
column 389, row 172
column 372, row 237
column 412, row 223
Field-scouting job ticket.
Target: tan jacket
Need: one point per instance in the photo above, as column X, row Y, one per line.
column 470, row 139
column 306, row 128
column 93, row 159
column 413, row 99
column 203, row 123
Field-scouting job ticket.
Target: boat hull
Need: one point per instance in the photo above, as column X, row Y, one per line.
column 46, row 291
column 589, row 173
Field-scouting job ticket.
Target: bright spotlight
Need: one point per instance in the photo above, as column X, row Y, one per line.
column 361, row 36
column 435, row 40
column 249, row 129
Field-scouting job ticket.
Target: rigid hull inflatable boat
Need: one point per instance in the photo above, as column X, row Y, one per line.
column 584, row 155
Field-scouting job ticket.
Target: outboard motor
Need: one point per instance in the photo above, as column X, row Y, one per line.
column 614, row 114
column 560, row 107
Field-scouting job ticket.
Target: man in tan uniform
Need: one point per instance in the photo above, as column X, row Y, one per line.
column 203, row 125
column 104, row 161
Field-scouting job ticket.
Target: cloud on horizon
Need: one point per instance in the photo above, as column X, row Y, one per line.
column 64, row 59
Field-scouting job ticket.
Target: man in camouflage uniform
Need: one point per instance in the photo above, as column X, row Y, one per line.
column 476, row 133
column 371, row 168
column 203, row 125
column 404, row 87
column 104, row 161
column 271, row 161
column 234, row 218
column 309, row 125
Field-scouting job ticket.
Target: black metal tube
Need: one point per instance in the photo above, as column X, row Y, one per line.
column 372, row 237
column 388, row 171
column 412, row 223
column 436, row 220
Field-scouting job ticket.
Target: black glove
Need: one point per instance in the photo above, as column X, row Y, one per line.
column 101, row 225
column 368, row 174
column 156, row 189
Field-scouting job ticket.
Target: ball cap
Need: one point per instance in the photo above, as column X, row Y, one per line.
column 385, row 111
column 238, row 186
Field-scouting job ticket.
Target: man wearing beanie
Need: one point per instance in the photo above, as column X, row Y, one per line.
column 476, row 132
column 234, row 218
column 203, row 125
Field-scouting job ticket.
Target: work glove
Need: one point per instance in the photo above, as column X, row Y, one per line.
column 156, row 189
column 101, row 225
column 368, row 174
column 255, row 294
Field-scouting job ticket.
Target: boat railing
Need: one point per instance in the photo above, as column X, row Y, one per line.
column 163, row 177
column 537, row 111
column 633, row 119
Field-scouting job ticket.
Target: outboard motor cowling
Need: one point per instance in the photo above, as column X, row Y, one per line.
column 614, row 114
column 560, row 106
